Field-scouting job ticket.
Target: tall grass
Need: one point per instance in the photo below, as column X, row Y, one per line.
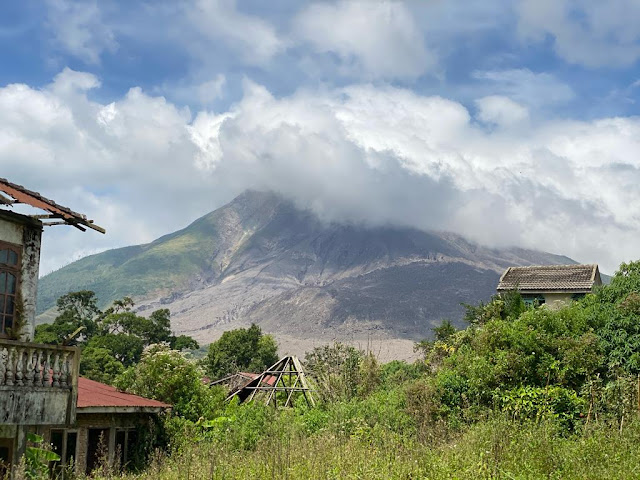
column 497, row 448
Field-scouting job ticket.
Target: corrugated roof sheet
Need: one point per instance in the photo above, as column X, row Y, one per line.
column 549, row 278
column 269, row 380
column 20, row 194
column 96, row 394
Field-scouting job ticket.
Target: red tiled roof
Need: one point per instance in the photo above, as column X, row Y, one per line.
column 96, row 394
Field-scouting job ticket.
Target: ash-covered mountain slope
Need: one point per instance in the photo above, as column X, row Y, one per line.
column 260, row 259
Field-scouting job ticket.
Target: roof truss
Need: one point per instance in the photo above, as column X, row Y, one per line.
column 289, row 379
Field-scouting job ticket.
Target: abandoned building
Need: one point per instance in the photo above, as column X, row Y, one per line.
column 233, row 383
column 277, row 385
column 552, row 285
column 108, row 424
column 38, row 383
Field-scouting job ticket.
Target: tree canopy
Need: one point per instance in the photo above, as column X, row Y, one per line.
column 113, row 339
column 166, row 375
column 241, row 349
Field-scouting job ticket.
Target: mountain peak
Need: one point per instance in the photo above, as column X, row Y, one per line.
column 260, row 259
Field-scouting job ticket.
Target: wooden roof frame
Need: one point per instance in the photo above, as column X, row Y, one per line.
column 17, row 194
column 289, row 367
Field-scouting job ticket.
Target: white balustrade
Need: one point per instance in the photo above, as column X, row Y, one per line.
column 24, row 365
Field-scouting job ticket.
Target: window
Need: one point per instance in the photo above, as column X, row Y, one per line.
column 97, row 447
column 63, row 442
column 6, row 454
column 9, row 284
column 126, row 439
column 533, row 300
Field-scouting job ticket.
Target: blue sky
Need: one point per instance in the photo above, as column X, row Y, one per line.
column 510, row 122
column 162, row 48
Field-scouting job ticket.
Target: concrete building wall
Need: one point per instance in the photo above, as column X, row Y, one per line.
column 34, row 405
column 10, row 231
column 555, row 301
column 110, row 422
column 26, row 232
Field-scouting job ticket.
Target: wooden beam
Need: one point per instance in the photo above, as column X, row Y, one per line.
column 22, row 195
column 6, row 200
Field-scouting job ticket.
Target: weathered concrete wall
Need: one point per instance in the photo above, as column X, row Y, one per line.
column 7, row 431
column 109, row 421
column 556, row 301
column 34, row 405
column 26, row 232
column 10, row 232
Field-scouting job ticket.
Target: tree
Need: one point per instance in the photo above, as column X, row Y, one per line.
column 125, row 348
column 76, row 310
column 615, row 309
column 336, row 370
column 241, row 349
column 625, row 281
column 99, row 364
column 505, row 305
column 115, row 336
column 444, row 331
column 80, row 308
column 166, row 375
column 432, row 350
column 184, row 342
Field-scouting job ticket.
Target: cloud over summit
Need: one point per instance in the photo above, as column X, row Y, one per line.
column 143, row 166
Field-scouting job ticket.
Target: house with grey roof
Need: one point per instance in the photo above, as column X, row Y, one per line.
column 553, row 285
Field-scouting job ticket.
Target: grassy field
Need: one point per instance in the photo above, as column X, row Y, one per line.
column 522, row 393
column 498, row 448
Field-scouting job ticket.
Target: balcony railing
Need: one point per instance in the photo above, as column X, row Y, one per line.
column 38, row 383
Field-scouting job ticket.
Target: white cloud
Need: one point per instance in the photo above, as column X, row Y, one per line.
column 253, row 38
column 592, row 33
column 374, row 39
column 501, row 111
column 201, row 93
column 391, row 156
column 141, row 167
column 524, row 86
column 78, row 29
column 211, row 90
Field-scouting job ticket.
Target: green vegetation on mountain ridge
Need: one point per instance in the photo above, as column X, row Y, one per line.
column 173, row 262
column 169, row 262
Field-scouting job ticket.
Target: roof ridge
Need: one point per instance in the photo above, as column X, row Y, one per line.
column 572, row 265
column 531, row 278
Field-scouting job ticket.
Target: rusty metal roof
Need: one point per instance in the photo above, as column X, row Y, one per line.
column 550, row 278
column 19, row 194
column 95, row 394
column 242, row 378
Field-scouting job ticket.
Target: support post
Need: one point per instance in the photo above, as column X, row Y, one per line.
column 112, row 445
column 20, row 445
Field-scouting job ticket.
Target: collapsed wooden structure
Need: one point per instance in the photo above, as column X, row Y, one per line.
column 286, row 375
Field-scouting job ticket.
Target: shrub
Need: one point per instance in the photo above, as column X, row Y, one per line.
column 167, row 375
column 536, row 403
